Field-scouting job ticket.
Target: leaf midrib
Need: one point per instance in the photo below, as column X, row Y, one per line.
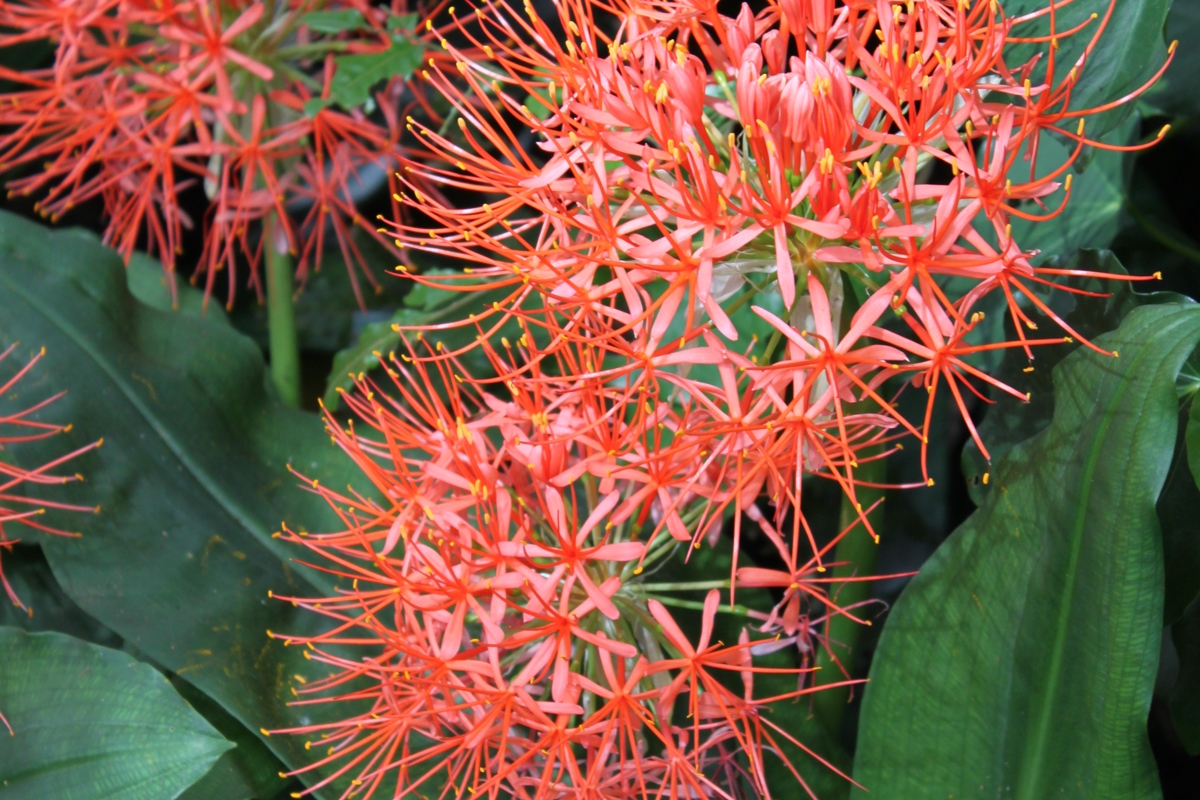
column 1029, row 790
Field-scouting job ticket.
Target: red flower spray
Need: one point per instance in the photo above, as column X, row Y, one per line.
column 689, row 170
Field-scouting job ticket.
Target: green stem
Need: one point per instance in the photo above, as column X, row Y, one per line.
column 860, row 551
column 281, row 319
column 684, row 587
column 698, row 605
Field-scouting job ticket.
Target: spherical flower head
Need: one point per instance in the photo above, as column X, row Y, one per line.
column 505, row 591
column 253, row 109
column 690, row 165
column 724, row 244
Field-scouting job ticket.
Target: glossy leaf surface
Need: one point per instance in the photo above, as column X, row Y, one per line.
column 1020, row 661
column 1125, row 55
column 91, row 723
column 192, row 478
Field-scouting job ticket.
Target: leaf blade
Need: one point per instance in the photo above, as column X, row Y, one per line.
column 969, row 687
column 192, row 477
column 92, row 723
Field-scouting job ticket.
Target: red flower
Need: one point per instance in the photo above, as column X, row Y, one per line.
column 17, row 506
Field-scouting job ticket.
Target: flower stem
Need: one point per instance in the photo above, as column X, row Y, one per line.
column 698, row 605
column 281, row 319
column 859, row 550
column 684, row 587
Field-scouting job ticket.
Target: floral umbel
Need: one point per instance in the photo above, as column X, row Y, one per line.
column 726, row 245
column 264, row 109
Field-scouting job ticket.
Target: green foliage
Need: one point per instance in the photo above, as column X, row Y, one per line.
column 192, row 477
column 423, row 305
column 247, row 771
column 1193, row 440
column 346, row 19
column 1020, row 662
column 1010, row 421
column 1177, row 507
column 47, row 607
column 91, row 723
column 358, row 73
column 1092, row 217
column 1185, row 696
column 1175, row 92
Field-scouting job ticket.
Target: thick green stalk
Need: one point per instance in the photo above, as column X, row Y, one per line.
column 859, row 550
column 281, row 319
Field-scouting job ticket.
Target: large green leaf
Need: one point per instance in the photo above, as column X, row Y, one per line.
column 192, row 477
column 248, row 770
column 48, row 607
column 91, row 723
column 1176, row 93
column 1092, row 217
column 1020, row 662
column 1177, row 507
column 1010, row 421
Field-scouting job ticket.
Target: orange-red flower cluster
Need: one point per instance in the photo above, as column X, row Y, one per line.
column 146, row 99
column 517, row 649
column 726, row 244
column 17, row 507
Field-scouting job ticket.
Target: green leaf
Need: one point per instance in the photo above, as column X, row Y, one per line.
column 1193, row 441
column 1185, row 696
column 91, row 723
column 50, row 609
column 347, row 19
column 1177, row 507
column 1020, row 662
column 247, row 771
column 149, row 284
column 1092, row 217
column 192, row 477
column 327, row 305
column 315, row 105
column 1175, row 93
column 357, row 73
column 1009, row 421
column 402, row 22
